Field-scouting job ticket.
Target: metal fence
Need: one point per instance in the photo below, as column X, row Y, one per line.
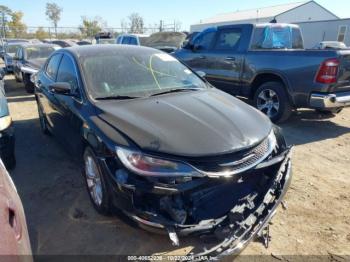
column 49, row 33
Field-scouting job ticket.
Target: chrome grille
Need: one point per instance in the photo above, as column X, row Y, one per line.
column 234, row 163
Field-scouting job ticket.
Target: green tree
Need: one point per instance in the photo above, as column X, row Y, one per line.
column 5, row 15
column 41, row 34
column 53, row 13
column 90, row 26
column 16, row 26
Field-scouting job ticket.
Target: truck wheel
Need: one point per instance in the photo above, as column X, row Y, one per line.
column 332, row 111
column 272, row 99
column 96, row 183
column 28, row 85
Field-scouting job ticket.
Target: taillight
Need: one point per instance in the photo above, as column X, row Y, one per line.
column 327, row 74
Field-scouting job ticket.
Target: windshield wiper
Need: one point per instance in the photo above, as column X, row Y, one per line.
column 116, row 97
column 175, row 91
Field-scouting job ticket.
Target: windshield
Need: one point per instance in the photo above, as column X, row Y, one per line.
column 136, row 74
column 12, row 49
column 38, row 52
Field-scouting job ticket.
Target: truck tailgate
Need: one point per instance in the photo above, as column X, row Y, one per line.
column 343, row 83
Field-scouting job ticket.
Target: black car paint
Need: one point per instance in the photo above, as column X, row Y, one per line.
column 7, row 136
column 183, row 126
column 238, row 71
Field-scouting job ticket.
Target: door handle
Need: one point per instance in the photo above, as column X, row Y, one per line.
column 230, row 58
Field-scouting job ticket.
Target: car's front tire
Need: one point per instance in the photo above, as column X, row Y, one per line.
column 28, row 85
column 96, row 183
column 272, row 99
column 43, row 124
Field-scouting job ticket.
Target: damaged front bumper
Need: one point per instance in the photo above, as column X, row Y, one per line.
column 235, row 210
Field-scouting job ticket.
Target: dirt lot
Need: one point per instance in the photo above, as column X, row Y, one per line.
column 62, row 221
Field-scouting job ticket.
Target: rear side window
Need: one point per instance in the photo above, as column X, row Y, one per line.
column 228, row 39
column 66, row 72
column 52, row 66
column 277, row 37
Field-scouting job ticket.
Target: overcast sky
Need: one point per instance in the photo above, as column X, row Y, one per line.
column 112, row 11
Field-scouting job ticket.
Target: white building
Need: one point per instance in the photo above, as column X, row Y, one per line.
column 317, row 23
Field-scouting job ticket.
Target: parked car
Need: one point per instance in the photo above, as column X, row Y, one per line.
column 28, row 60
column 267, row 63
column 105, row 41
column 14, row 240
column 330, row 45
column 63, row 43
column 131, row 39
column 166, row 41
column 10, row 51
column 7, row 135
column 161, row 144
column 83, row 42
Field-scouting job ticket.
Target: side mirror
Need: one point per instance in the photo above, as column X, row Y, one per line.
column 61, row 88
column 2, row 74
column 201, row 74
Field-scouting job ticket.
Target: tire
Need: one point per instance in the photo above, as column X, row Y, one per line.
column 272, row 99
column 332, row 111
column 28, row 85
column 18, row 80
column 43, row 124
column 96, row 183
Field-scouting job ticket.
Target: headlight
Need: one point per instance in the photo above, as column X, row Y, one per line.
column 5, row 122
column 146, row 165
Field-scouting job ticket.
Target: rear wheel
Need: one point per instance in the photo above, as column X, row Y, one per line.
column 272, row 99
column 96, row 183
column 28, row 85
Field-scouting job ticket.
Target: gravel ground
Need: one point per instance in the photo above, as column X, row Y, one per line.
column 316, row 220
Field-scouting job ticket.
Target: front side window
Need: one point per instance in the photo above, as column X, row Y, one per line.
column 66, row 72
column 204, row 40
column 52, row 66
column 228, row 39
column 136, row 74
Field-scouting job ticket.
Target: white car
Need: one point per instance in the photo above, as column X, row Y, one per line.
column 131, row 39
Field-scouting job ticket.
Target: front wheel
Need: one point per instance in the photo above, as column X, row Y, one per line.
column 42, row 120
column 28, row 85
column 96, row 183
column 272, row 99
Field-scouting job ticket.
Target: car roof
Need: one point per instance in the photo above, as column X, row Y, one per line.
column 91, row 50
column 39, row 45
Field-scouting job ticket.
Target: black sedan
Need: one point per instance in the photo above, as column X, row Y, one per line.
column 156, row 141
column 28, row 60
column 7, row 134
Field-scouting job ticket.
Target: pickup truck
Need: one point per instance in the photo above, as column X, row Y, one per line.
column 268, row 64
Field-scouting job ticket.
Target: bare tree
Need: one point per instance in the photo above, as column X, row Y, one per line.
column 90, row 26
column 53, row 13
column 136, row 23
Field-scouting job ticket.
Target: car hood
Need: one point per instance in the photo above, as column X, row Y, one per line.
column 196, row 123
column 36, row 63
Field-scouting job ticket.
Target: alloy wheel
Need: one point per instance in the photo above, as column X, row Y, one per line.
column 93, row 179
column 268, row 102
